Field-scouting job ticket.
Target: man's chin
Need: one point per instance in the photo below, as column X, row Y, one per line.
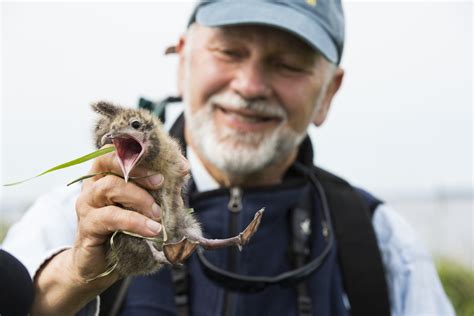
column 243, row 139
column 241, row 162
column 242, row 154
column 248, row 143
column 236, row 152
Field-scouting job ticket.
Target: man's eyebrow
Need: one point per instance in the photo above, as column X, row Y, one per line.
column 292, row 49
column 229, row 33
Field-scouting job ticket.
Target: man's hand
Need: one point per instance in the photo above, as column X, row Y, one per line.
column 104, row 205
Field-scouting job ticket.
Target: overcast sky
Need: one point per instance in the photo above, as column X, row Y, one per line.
column 402, row 122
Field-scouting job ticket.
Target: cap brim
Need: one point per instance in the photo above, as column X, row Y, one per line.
column 278, row 15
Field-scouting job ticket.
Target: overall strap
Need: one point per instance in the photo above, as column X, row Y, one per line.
column 111, row 299
column 359, row 254
column 300, row 251
column 179, row 275
column 157, row 108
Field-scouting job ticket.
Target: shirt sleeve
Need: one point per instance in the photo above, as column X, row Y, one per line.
column 413, row 283
column 47, row 228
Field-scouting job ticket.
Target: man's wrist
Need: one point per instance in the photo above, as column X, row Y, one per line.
column 89, row 281
column 61, row 290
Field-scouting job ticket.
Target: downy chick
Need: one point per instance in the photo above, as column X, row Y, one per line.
column 139, row 139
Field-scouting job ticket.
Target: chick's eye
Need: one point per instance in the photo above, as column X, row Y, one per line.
column 135, row 124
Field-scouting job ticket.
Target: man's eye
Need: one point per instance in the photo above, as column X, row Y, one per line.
column 289, row 67
column 230, row 53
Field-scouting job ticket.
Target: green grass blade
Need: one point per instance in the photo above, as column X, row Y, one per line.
column 77, row 161
column 106, row 173
column 82, row 159
column 93, row 175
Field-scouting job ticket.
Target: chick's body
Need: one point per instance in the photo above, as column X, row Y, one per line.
column 140, row 140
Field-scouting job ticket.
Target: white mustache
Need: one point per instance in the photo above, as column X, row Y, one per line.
column 232, row 101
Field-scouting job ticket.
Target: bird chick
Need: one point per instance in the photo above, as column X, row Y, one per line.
column 139, row 139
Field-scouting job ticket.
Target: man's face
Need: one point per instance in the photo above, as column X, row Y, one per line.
column 250, row 94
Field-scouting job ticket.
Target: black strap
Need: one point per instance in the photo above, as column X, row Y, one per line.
column 112, row 298
column 157, row 108
column 300, row 223
column 179, row 274
column 359, row 255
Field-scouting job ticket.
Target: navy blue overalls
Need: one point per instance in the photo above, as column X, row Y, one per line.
column 267, row 254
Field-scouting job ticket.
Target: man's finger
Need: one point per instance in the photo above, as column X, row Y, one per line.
column 112, row 218
column 151, row 181
column 184, row 166
column 103, row 163
column 112, row 190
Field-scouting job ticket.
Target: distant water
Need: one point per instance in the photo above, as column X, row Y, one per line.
column 446, row 226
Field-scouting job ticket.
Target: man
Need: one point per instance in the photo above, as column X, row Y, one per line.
column 253, row 77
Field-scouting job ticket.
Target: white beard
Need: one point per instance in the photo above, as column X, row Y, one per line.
column 235, row 152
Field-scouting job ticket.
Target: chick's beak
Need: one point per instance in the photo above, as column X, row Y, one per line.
column 106, row 139
column 129, row 151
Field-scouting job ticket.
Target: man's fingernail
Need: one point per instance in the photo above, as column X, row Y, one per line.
column 157, row 179
column 155, row 210
column 153, row 226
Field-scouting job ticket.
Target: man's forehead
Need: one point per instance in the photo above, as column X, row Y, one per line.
column 319, row 23
column 261, row 35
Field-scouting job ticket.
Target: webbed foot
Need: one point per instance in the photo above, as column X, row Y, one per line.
column 180, row 251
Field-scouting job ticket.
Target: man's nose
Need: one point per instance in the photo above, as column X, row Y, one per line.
column 251, row 82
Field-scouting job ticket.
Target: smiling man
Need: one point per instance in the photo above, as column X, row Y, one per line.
column 251, row 93
column 253, row 75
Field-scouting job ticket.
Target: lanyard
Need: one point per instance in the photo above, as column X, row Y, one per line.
column 237, row 282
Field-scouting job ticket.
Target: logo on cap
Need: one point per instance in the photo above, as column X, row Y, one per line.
column 312, row 2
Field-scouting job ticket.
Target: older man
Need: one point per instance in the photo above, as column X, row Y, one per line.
column 253, row 75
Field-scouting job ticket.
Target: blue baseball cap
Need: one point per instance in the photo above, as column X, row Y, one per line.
column 320, row 23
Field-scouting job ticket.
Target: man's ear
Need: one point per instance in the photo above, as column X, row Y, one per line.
column 179, row 49
column 333, row 87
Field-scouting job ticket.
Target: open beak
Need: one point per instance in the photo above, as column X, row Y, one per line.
column 129, row 151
